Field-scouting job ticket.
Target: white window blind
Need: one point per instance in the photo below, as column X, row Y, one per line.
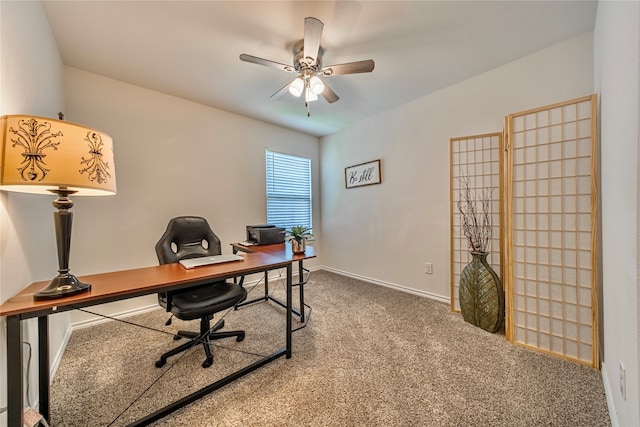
column 288, row 190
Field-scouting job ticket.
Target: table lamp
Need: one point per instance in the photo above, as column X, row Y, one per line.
column 42, row 156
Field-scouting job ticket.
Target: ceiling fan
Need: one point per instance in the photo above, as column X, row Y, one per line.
column 307, row 62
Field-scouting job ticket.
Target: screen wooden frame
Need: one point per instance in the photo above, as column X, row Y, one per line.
column 551, row 229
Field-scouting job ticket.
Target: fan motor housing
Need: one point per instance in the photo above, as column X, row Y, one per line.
column 300, row 63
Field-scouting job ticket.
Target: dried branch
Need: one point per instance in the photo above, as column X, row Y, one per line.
column 476, row 225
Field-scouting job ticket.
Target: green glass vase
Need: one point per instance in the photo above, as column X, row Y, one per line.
column 480, row 294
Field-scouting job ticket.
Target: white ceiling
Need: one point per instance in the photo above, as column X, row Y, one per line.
column 190, row 49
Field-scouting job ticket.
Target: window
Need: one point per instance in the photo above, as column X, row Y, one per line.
column 288, row 190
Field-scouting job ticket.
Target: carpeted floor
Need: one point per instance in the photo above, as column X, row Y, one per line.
column 370, row 356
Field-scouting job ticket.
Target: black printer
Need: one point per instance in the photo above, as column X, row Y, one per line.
column 265, row 234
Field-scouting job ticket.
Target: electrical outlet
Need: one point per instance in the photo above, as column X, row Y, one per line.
column 428, row 268
column 623, row 381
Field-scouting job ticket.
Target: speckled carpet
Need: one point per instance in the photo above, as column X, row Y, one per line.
column 370, row 356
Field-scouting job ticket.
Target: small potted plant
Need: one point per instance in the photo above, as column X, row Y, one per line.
column 298, row 236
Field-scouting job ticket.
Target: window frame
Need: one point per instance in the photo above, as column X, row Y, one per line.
column 283, row 190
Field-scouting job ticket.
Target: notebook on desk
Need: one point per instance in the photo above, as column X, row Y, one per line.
column 208, row 260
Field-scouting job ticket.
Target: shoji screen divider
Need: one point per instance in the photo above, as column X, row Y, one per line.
column 477, row 158
column 550, row 225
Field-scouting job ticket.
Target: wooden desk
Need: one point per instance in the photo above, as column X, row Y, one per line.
column 283, row 251
column 115, row 286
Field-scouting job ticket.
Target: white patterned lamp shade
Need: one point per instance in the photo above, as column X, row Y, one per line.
column 41, row 154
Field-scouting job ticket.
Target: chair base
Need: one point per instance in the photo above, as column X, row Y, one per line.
column 205, row 337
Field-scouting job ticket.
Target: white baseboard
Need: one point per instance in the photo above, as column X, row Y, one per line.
column 85, row 324
column 58, row 357
column 608, row 392
column 389, row 285
column 120, row 315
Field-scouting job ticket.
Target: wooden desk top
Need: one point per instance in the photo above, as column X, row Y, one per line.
column 279, row 250
column 124, row 284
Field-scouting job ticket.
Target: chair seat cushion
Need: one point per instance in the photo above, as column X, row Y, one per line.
column 204, row 300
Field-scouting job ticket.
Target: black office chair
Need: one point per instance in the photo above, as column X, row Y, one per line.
column 191, row 237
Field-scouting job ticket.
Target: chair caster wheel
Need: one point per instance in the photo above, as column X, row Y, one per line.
column 177, row 337
column 160, row 363
column 207, row 363
column 240, row 338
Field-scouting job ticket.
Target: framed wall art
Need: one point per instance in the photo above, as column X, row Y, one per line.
column 362, row 174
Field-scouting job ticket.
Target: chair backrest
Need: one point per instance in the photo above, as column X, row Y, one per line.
column 187, row 237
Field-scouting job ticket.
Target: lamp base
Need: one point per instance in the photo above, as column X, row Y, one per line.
column 63, row 285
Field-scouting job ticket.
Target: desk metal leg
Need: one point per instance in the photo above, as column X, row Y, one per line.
column 43, row 366
column 14, row 372
column 264, row 298
column 267, row 297
column 301, row 279
column 289, row 309
column 149, row 419
column 287, row 351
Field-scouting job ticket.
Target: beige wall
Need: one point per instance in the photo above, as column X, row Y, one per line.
column 387, row 232
column 173, row 157
column 31, row 82
column 617, row 69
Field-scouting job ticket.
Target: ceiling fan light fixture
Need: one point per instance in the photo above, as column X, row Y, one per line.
column 296, row 87
column 309, row 96
column 317, row 87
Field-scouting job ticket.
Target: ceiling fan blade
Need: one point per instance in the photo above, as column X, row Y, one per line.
column 349, row 68
column 260, row 61
column 281, row 91
column 329, row 94
column 312, row 34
